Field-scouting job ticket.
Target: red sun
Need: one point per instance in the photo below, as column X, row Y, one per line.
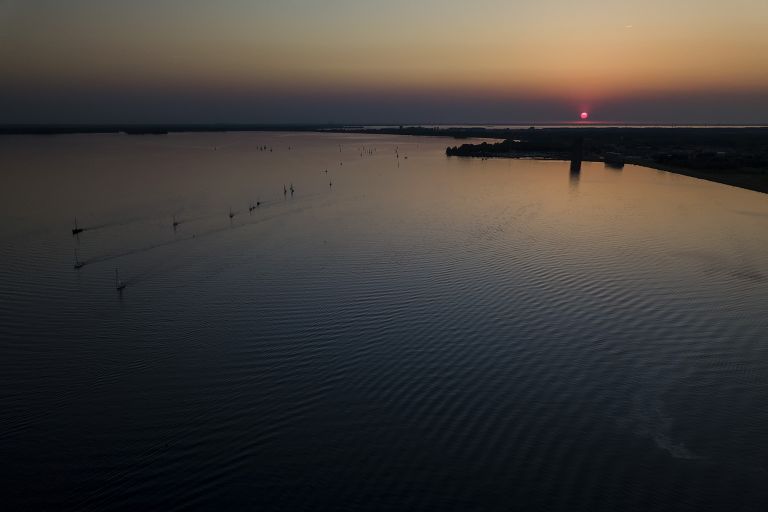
column 584, row 116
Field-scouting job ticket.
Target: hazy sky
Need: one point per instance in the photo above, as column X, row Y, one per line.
column 383, row 61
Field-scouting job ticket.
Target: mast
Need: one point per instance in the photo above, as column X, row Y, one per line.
column 78, row 263
column 119, row 285
column 76, row 229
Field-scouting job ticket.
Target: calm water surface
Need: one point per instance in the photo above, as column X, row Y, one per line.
column 425, row 334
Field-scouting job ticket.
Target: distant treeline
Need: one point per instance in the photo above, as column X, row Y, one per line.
column 735, row 156
column 52, row 129
column 706, row 135
column 703, row 148
column 152, row 129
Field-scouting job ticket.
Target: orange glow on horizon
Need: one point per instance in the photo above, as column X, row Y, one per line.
column 620, row 51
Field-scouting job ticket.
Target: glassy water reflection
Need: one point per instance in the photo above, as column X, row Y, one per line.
column 402, row 332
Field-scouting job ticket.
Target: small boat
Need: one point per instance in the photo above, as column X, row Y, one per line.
column 119, row 285
column 175, row 223
column 230, row 213
column 76, row 229
column 78, row 263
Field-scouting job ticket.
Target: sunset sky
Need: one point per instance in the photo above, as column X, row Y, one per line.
column 376, row 61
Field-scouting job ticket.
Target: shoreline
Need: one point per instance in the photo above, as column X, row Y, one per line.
column 746, row 181
column 735, row 157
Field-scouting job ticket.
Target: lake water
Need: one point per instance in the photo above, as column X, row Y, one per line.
column 428, row 333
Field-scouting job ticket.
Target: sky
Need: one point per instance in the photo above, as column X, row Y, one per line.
column 383, row 61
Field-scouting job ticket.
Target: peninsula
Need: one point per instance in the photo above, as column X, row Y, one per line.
column 733, row 156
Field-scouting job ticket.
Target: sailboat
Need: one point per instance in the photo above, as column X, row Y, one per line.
column 78, row 263
column 119, row 285
column 76, row 229
column 231, row 214
column 175, row 223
